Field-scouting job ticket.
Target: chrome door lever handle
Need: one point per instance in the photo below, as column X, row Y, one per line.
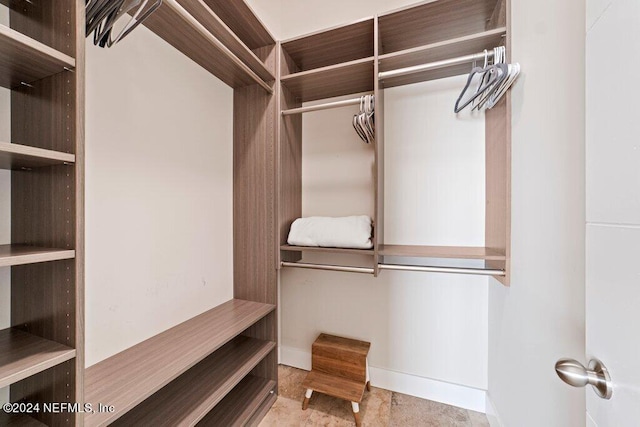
column 575, row 374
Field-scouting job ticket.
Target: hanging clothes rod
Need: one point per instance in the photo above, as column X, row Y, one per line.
column 457, row 270
column 367, row 270
column 435, row 65
column 319, row 107
column 193, row 22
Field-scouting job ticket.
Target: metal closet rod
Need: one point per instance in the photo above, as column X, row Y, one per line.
column 327, row 106
column 182, row 12
column 368, row 270
column 434, row 65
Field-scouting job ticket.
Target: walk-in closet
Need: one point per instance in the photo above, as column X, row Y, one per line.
column 147, row 274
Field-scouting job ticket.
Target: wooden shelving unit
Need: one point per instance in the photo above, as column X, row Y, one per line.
column 341, row 44
column 24, row 59
column 239, row 406
column 42, row 62
column 11, row 255
column 128, row 378
column 432, row 22
column 24, row 355
column 454, row 252
column 165, row 22
column 334, row 80
column 349, row 59
column 439, row 51
column 20, row 157
column 187, row 399
column 344, row 251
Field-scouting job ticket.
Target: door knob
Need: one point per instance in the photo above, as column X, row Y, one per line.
column 573, row 373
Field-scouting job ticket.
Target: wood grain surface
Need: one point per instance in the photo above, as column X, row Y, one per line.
column 189, row 398
column 24, row 355
column 129, row 377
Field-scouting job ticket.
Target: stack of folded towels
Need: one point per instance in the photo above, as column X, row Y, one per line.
column 345, row 232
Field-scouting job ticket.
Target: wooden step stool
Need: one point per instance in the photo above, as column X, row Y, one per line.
column 340, row 369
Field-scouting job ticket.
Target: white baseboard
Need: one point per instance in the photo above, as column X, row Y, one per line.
column 425, row 388
column 492, row 414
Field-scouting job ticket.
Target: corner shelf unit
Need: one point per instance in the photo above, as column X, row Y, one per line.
column 178, row 376
column 42, row 63
column 353, row 58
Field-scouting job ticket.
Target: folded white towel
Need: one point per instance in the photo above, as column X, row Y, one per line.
column 346, row 232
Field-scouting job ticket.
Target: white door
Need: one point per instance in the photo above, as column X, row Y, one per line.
column 613, row 207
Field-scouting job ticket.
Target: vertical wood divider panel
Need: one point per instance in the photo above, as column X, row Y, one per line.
column 498, row 174
column 255, row 245
column 378, row 92
column 289, row 159
column 80, row 82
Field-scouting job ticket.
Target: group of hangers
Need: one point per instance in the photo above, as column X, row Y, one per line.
column 490, row 82
column 364, row 121
column 102, row 15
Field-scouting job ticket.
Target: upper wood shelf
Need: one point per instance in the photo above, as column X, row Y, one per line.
column 334, row 80
column 22, row 254
column 334, row 46
column 131, row 376
column 196, row 46
column 187, row 399
column 241, row 19
column 23, row 59
column 439, row 51
column 24, row 355
column 327, row 250
column 18, row 157
column 239, row 406
column 436, row 21
column 456, row 252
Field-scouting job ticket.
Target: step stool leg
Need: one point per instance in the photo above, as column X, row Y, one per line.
column 307, row 396
column 368, row 377
column 356, row 412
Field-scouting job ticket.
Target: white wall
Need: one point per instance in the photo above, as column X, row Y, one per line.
column 424, row 328
column 541, row 317
column 158, row 192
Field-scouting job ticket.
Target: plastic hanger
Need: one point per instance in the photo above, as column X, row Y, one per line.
column 493, row 76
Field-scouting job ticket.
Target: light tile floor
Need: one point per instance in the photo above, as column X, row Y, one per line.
column 379, row 408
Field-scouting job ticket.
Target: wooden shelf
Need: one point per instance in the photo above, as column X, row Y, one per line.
column 461, row 46
column 241, row 19
column 262, row 410
column 192, row 43
column 456, row 252
column 18, row 157
column 327, row 250
column 434, row 22
column 334, row 46
column 23, row 59
column 22, row 254
column 18, row 420
column 131, row 376
column 335, row 80
column 241, row 404
column 188, row 398
column 24, row 355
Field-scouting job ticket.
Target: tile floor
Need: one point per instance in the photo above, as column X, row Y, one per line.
column 380, row 408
